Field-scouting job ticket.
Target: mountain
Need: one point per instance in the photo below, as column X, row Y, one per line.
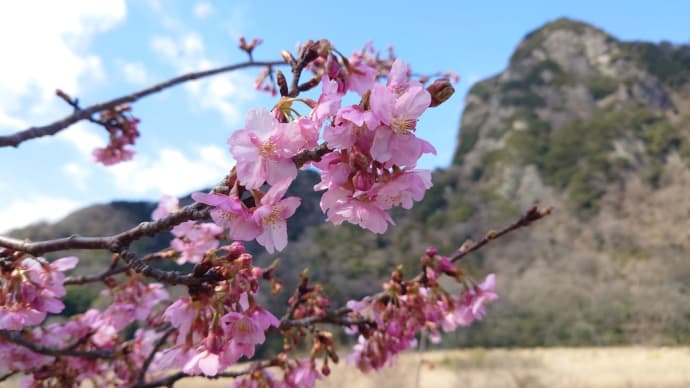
column 598, row 129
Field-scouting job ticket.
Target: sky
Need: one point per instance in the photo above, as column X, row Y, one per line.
column 98, row 50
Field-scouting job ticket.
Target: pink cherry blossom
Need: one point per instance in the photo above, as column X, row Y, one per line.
column 302, row 374
column 229, row 212
column 31, row 290
column 484, row 292
column 109, row 156
column 193, row 240
column 329, row 101
column 360, row 77
column 395, row 141
column 272, row 214
column 167, row 205
column 403, row 190
column 243, row 329
column 263, row 151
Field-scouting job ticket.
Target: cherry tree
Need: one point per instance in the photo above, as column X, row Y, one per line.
column 366, row 154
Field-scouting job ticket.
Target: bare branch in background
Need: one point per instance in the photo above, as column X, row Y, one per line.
column 87, row 113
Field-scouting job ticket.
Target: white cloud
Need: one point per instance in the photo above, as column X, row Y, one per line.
column 201, row 10
column 77, row 173
column 35, row 208
column 84, row 138
column 135, row 73
column 173, row 173
column 221, row 93
column 164, row 46
column 53, row 55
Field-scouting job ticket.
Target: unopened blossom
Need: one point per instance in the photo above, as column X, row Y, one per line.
column 272, row 214
column 123, row 132
column 263, row 151
column 111, row 155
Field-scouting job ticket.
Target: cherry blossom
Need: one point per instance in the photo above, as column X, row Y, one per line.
column 263, row 151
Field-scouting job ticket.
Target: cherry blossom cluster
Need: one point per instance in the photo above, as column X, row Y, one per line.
column 122, row 131
column 359, row 129
column 30, row 288
column 406, row 308
column 297, row 374
column 217, row 324
column 192, row 240
column 372, row 150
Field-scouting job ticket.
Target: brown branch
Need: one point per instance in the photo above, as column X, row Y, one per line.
column 115, row 243
column 532, row 214
column 112, row 271
column 170, row 380
column 161, row 341
column 86, row 113
column 338, row 316
column 16, row 338
column 7, row 376
column 335, row 317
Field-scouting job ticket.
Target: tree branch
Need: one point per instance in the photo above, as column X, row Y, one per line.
column 532, row 214
column 338, row 316
column 112, row 271
column 17, row 338
column 115, row 243
column 86, row 113
column 170, row 380
column 161, row 341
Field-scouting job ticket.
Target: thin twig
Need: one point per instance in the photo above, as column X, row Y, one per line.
column 7, row 376
column 338, row 316
column 115, row 243
column 51, row 129
column 84, row 279
column 161, row 341
column 168, row 381
column 17, row 338
column 531, row 215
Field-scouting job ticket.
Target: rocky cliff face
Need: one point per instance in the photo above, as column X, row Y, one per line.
column 600, row 130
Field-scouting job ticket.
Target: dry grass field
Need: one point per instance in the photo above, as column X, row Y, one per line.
column 624, row 367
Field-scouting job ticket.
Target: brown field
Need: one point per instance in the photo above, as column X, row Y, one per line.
column 625, row 367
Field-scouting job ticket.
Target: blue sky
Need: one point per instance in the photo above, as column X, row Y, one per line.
column 97, row 50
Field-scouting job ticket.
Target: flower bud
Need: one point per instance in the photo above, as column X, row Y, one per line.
column 282, row 83
column 441, row 90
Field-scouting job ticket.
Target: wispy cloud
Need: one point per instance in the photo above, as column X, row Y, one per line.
column 172, row 172
column 77, row 173
column 224, row 94
column 34, row 208
column 53, row 56
column 202, row 10
column 135, row 73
